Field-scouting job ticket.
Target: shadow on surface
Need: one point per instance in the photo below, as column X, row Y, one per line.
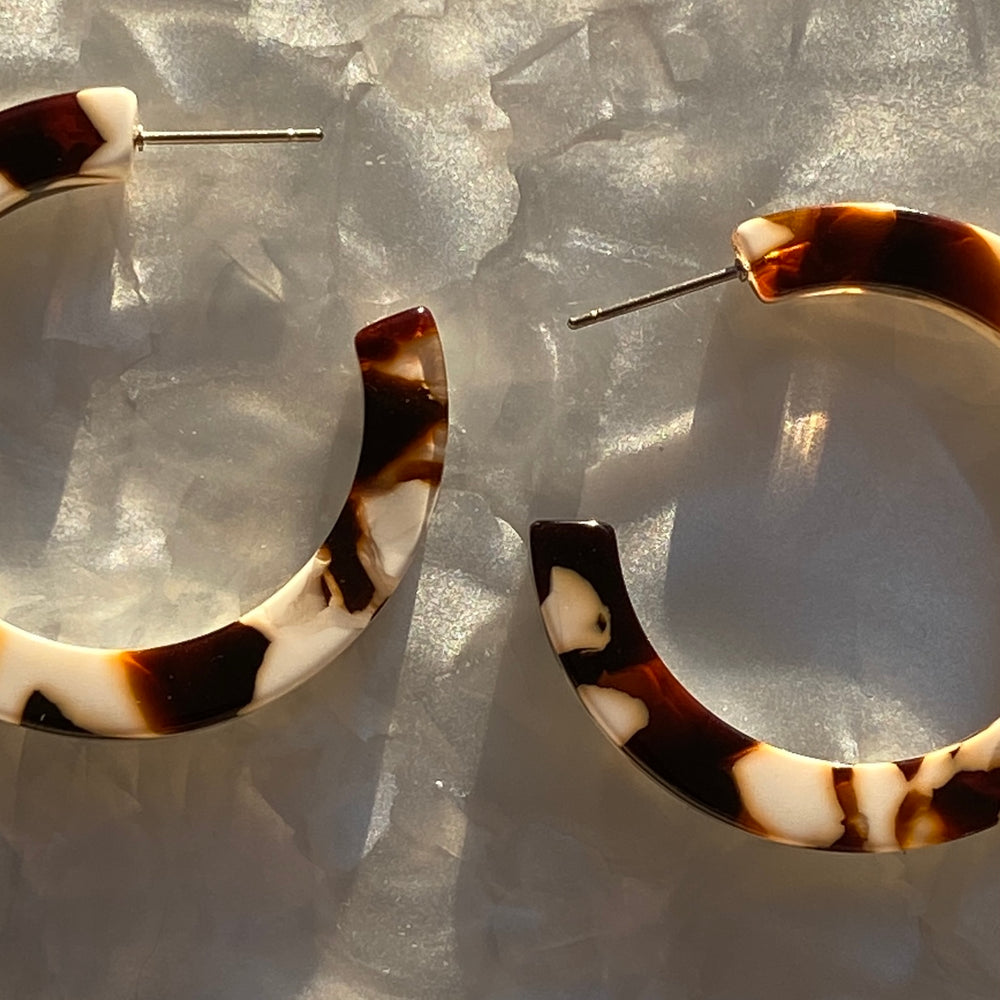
column 832, row 503
column 236, row 846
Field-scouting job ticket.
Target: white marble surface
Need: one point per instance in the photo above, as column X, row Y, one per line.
column 806, row 494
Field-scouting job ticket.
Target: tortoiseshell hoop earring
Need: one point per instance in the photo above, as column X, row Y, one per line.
column 628, row 689
column 89, row 137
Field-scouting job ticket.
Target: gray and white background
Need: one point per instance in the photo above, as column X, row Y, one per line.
column 808, row 494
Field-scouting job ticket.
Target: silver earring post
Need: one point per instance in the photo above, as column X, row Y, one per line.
column 145, row 137
column 654, row 298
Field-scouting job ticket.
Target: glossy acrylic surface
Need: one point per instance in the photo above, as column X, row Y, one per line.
column 874, row 246
column 66, row 140
column 948, row 793
column 803, row 495
column 301, row 628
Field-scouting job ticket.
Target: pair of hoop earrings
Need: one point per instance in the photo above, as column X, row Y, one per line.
column 90, row 137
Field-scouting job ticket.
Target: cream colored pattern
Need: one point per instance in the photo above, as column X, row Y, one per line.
column 757, row 237
column 573, row 613
column 114, row 112
column 619, row 714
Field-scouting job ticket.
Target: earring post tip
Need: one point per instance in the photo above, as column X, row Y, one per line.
column 585, row 319
column 654, row 298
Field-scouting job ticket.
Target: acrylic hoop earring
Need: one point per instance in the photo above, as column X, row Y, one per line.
column 89, row 137
column 632, row 694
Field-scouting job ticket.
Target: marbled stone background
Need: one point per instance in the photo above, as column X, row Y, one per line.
column 807, row 494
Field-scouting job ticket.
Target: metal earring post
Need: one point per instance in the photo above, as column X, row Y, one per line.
column 144, row 138
column 653, row 298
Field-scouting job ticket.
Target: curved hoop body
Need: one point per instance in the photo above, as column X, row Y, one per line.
column 787, row 797
column 86, row 138
column 631, row 693
column 852, row 247
column 310, row 620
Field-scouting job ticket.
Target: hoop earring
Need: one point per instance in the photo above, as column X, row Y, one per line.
column 627, row 688
column 89, row 137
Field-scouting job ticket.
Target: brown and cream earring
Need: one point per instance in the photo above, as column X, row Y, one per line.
column 90, row 137
column 631, row 693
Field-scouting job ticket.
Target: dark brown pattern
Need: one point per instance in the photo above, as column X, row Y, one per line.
column 343, row 543
column 926, row 799
column 46, row 140
column 212, row 677
column 855, row 824
column 879, row 247
column 693, row 752
column 970, row 801
column 398, row 411
column 684, row 745
column 400, row 416
column 198, row 681
column 40, row 713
